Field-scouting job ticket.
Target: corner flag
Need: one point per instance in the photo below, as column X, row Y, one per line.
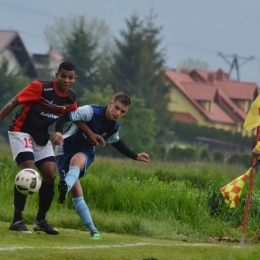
column 253, row 117
column 232, row 191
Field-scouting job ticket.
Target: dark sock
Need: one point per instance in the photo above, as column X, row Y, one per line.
column 46, row 194
column 17, row 217
column 19, row 204
column 41, row 216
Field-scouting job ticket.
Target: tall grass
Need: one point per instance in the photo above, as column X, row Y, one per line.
column 154, row 200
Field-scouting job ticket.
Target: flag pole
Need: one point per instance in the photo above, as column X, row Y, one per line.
column 254, row 162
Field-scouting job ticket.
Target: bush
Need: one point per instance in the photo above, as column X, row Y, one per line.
column 159, row 153
column 188, row 133
column 217, row 156
column 240, row 159
column 180, row 154
column 204, row 156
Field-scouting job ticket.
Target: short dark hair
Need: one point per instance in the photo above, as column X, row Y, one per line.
column 123, row 98
column 66, row 65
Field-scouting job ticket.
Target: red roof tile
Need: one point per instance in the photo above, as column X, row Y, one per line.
column 219, row 88
column 210, row 76
column 239, row 90
column 185, row 117
column 201, row 92
column 218, row 115
column 242, row 114
column 177, row 76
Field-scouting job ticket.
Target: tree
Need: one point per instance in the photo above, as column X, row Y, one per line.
column 45, row 72
column 137, row 127
column 191, row 64
column 79, row 48
column 96, row 96
column 137, row 67
column 86, row 44
column 10, row 85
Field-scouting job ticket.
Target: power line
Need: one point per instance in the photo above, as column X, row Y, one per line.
column 193, row 47
column 233, row 65
column 33, row 12
column 234, row 62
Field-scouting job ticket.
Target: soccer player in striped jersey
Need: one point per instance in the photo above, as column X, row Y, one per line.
column 43, row 102
column 78, row 151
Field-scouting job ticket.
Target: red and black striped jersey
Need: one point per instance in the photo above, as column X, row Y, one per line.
column 42, row 106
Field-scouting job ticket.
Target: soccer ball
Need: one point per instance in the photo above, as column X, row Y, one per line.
column 28, row 181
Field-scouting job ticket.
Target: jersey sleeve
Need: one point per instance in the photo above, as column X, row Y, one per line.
column 73, row 107
column 31, row 93
column 113, row 138
column 122, row 148
column 84, row 113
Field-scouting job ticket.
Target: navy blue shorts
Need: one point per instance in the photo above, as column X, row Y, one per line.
column 63, row 163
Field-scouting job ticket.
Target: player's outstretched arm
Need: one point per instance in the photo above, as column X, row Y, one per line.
column 8, row 108
column 142, row 157
column 95, row 138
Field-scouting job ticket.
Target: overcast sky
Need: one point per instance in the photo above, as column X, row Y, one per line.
column 196, row 29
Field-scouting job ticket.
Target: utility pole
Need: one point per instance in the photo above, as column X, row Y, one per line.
column 234, row 63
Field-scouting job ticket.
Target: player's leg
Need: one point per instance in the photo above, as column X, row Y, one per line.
column 83, row 210
column 70, row 168
column 22, row 149
column 45, row 162
column 77, row 164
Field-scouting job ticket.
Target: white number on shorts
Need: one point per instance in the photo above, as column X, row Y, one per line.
column 28, row 142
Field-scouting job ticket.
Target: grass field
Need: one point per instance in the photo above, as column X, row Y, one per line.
column 75, row 244
column 152, row 211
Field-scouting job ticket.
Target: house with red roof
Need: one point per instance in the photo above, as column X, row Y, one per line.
column 49, row 61
column 13, row 50
column 209, row 98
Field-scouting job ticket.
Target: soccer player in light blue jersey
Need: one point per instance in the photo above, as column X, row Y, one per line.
column 75, row 155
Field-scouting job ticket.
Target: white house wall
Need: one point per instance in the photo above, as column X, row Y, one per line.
column 14, row 66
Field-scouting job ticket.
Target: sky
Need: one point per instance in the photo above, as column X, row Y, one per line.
column 191, row 29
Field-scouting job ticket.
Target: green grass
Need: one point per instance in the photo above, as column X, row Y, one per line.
column 172, row 206
column 75, row 244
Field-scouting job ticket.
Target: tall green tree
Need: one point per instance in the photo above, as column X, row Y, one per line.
column 10, row 85
column 137, row 67
column 85, row 43
column 45, row 72
column 79, row 48
column 96, row 96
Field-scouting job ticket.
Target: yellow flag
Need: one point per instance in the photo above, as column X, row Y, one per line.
column 232, row 191
column 253, row 119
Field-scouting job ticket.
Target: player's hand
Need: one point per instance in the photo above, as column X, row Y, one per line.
column 96, row 139
column 142, row 157
column 256, row 153
column 57, row 139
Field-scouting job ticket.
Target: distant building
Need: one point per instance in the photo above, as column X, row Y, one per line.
column 13, row 50
column 51, row 61
column 208, row 98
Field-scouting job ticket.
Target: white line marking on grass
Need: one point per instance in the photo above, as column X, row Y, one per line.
column 106, row 246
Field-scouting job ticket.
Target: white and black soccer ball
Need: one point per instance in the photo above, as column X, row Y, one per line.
column 28, row 181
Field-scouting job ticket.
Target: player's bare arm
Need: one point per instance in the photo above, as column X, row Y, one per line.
column 8, row 108
column 95, row 138
column 142, row 157
column 57, row 139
